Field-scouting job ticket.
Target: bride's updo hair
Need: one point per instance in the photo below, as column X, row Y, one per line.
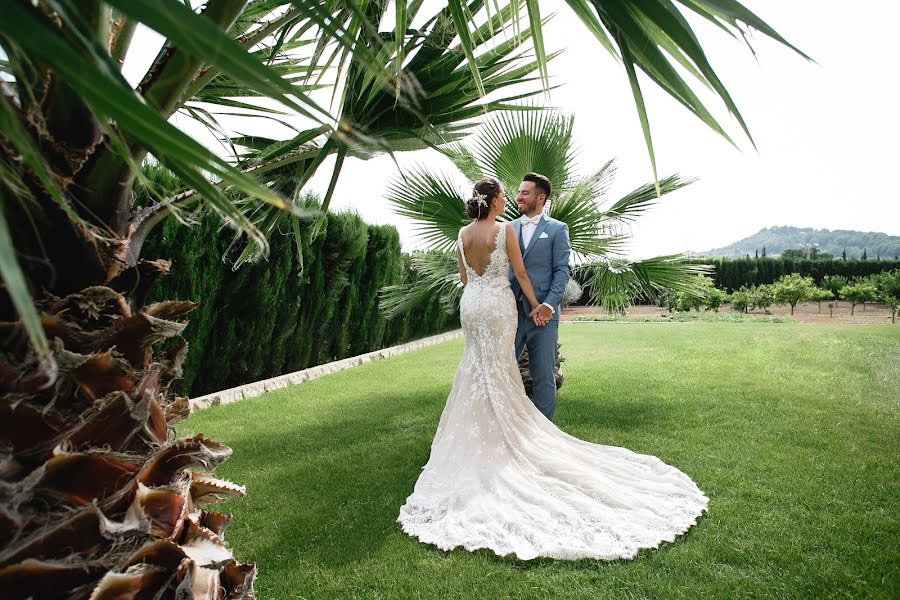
column 479, row 205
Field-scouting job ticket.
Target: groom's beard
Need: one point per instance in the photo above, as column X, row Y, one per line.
column 527, row 208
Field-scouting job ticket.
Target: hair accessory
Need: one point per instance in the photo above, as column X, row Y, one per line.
column 480, row 198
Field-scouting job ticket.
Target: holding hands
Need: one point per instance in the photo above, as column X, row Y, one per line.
column 541, row 315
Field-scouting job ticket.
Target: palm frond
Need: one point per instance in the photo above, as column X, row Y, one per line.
column 514, row 143
column 449, row 102
column 432, row 202
column 200, row 37
column 271, row 221
column 578, row 207
column 652, row 36
column 103, row 89
column 636, row 202
column 464, row 160
column 437, row 279
column 17, row 288
column 614, row 284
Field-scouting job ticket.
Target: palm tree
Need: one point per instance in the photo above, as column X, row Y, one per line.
column 98, row 498
column 507, row 147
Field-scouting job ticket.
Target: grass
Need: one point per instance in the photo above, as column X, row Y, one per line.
column 790, row 429
column 688, row 317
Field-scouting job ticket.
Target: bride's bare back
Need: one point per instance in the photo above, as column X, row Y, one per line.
column 479, row 242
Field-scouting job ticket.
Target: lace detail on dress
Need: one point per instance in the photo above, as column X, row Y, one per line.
column 498, row 262
column 501, row 476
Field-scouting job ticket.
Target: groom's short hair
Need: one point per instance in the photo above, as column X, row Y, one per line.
column 540, row 182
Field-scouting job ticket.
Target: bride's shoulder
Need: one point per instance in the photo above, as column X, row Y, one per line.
column 506, row 232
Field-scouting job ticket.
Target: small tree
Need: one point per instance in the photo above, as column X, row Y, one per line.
column 762, row 296
column 831, row 310
column 864, row 254
column 888, row 286
column 792, row 289
column 668, row 299
column 819, row 295
column 714, row 299
column 834, row 283
column 859, row 292
column 741, row 300
column 894, row 304
column 695, row 297
column 685, row 301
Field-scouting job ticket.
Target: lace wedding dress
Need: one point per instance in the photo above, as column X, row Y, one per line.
column 503, row 477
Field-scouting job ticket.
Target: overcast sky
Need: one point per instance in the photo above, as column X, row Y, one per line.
column 826, row 132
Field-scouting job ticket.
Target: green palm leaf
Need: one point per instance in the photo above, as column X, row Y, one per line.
column 636, row 32
column 200, row 37
column 614, row 284
column 590, row 232
column 17, row 288
column 515, row 143
column 437, row 278
column 636, row 202
column 432, row 202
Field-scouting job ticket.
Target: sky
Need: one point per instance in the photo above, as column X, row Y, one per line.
column 826, row 132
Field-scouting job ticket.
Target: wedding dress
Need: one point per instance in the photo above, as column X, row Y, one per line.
column 502, row 476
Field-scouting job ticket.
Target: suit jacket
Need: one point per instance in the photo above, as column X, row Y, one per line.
column 546, row 262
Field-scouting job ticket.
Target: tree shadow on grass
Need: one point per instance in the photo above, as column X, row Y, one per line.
column 615, row 413
column 330, row 492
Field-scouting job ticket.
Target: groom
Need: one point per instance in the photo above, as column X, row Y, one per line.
column 545, row 249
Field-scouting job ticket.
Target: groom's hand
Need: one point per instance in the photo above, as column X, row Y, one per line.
column 541, row 315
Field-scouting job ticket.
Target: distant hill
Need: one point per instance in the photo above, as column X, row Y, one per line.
column 777, row 239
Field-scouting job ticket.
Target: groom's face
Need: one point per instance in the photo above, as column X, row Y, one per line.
column 530, row 199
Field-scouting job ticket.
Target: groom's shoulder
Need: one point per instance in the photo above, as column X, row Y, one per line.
column 555, row 222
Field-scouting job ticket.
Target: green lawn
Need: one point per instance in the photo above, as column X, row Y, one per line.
column 790, row 429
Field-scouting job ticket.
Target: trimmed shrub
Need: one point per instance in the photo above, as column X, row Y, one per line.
column 274, row 317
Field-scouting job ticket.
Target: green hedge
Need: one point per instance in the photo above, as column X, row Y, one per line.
column 731, row 274
column 266, row 318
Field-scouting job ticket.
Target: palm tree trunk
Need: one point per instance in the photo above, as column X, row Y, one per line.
column 526, row 374
column 96, row 492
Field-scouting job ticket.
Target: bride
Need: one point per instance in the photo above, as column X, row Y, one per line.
column 501, row 476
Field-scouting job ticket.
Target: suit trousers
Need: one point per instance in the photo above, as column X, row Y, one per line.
column 541, row 345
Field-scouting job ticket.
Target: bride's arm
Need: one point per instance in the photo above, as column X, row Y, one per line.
column 518, row 266
column 462, row 269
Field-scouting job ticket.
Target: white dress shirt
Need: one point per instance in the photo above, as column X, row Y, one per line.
column 529, row 224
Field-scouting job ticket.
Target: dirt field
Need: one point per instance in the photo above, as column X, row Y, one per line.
column 804, row 313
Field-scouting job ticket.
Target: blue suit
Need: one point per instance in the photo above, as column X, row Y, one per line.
column 547, row 264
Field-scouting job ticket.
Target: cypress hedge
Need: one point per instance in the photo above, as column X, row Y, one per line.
column 731, row 274
column 272, row 317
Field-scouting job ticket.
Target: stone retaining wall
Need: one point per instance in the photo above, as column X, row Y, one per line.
column 258, row 388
